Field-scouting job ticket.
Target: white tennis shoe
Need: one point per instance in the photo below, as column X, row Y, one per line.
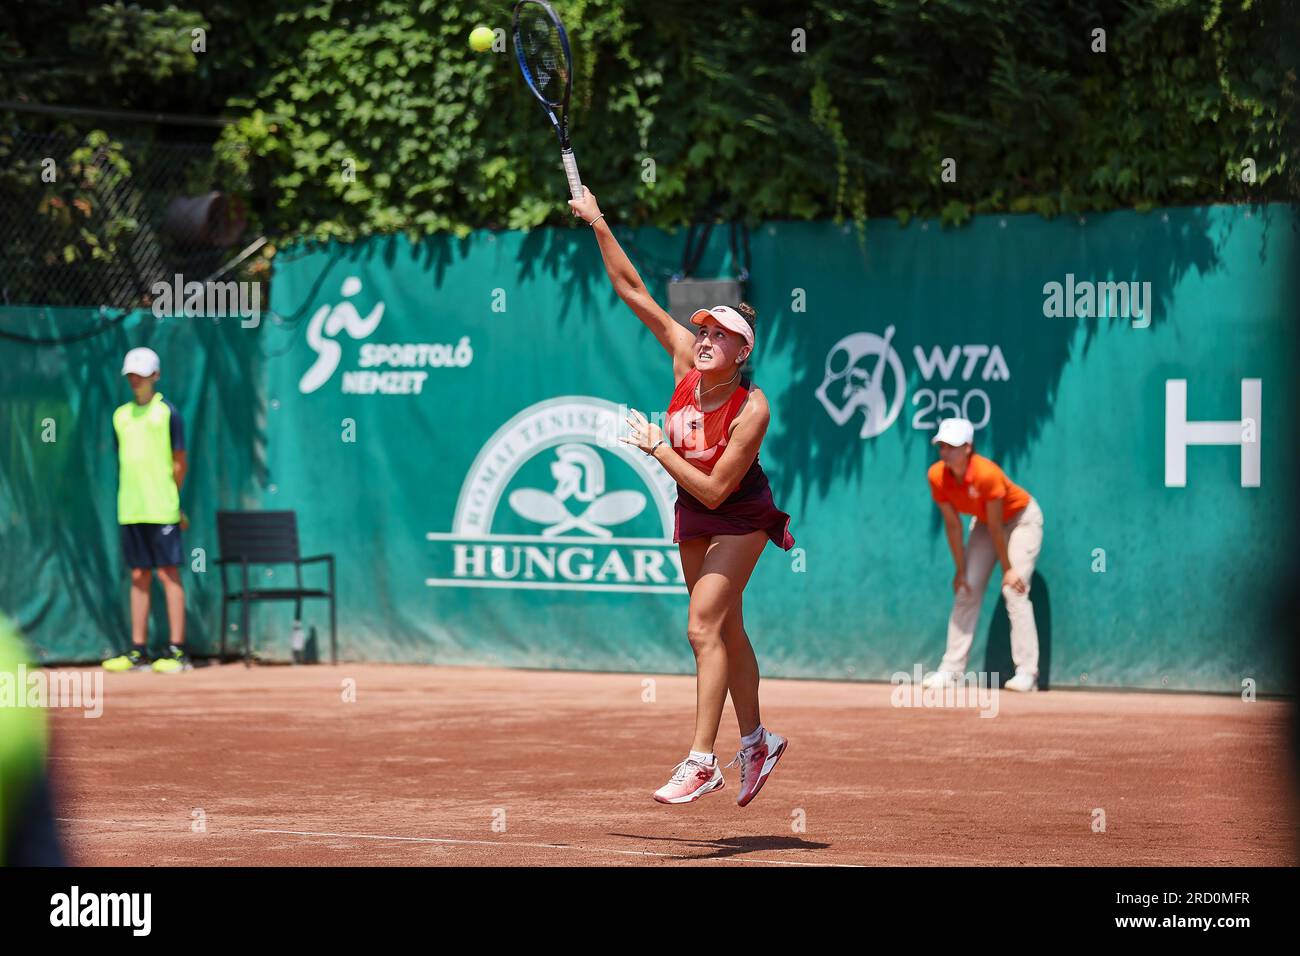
column 1022, row 683
column 690, row 781
column 756, row 763
column 939, row 679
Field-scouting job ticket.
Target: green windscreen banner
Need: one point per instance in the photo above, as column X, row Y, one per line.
column 63, row 579
column 443, row 417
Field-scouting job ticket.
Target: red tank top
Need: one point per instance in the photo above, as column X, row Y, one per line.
column 696, row 435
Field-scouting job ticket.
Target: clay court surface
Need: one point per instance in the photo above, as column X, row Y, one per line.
column 416, row 770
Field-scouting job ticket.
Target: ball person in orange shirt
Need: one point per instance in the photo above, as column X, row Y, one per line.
column 1007, row 528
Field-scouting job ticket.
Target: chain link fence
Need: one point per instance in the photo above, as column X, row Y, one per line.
column 88, row 218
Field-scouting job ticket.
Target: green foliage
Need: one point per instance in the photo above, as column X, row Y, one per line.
column 374, row 116
column 70, row 53
column 738, row 124
column 136, row 43
column 80, row 215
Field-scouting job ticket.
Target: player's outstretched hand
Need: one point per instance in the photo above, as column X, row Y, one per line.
column 585, row 207
column 645, row 433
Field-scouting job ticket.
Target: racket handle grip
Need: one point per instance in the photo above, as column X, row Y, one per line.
column 571, row 171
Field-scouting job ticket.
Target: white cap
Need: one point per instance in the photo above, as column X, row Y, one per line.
column 955, row 431
column 729, row 319
column 140, row 361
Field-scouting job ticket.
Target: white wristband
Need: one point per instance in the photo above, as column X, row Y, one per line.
column 597, row 219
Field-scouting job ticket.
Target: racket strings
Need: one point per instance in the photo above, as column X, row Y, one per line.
column 544, row 56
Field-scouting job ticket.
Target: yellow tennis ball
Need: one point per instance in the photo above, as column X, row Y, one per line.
column 480, row 40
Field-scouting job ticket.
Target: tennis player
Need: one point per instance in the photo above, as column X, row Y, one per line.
column 1007, row 529
column 725, row 514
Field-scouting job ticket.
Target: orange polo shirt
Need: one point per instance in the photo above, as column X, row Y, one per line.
column 984, row 482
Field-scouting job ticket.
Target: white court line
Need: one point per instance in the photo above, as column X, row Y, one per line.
column 544, row 846
column 116, row 823
column 493, row 843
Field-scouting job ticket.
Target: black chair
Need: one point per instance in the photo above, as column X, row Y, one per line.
column 266, row 537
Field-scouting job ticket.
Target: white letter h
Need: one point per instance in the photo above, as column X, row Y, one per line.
column 1179, row 432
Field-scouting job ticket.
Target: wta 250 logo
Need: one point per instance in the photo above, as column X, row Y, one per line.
column 865, row 373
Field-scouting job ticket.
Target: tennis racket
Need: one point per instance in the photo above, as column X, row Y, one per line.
column 542, row 48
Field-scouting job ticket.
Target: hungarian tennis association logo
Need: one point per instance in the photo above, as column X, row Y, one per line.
column 554, row 502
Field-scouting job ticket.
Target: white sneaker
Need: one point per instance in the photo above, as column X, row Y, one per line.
column 1022, row 683
column 690, row 781
column 939, row 679
column 756, row 763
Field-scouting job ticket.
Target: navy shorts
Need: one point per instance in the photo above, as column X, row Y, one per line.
column 151, row 545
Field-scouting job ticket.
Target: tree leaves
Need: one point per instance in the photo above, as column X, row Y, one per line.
column 369, row 116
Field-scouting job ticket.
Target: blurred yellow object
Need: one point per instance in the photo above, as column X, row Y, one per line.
column 22, row 731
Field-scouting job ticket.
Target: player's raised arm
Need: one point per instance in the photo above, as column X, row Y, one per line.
column 627, row 283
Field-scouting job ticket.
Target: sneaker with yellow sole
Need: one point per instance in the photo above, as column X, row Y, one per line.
column 134, row 660
column 172, row 661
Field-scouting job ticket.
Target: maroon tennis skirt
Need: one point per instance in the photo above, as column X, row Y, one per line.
column 749, row 508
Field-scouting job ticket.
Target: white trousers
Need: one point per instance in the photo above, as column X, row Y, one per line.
column 1024, row 535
